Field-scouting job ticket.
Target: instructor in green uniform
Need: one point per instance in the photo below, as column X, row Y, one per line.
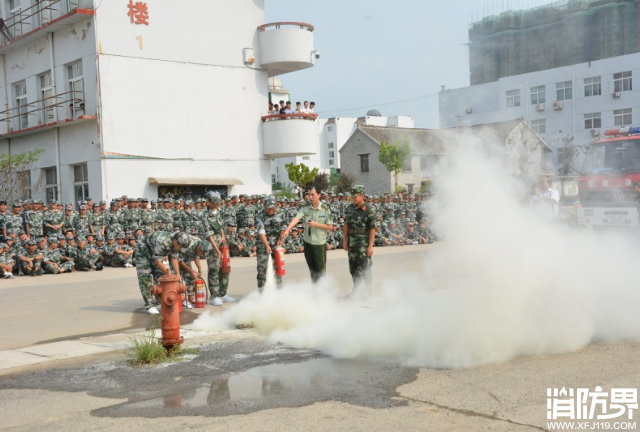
column 317, row 223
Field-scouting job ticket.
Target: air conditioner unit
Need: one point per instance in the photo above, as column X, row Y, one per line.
column 557, row 105
column 540, row 107
column 616, row 95
column 595, row 132
column 469, row 110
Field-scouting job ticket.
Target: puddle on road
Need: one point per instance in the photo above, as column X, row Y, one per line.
column 277, row 385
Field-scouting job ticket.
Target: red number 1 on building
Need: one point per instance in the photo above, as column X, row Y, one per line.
column 138, row 12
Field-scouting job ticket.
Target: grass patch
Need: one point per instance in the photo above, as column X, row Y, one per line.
column 148, row 349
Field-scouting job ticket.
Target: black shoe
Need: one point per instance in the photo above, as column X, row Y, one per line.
column 99, row 267
column 32, row 273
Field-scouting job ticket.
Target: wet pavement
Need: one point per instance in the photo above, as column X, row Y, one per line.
column 227, row 378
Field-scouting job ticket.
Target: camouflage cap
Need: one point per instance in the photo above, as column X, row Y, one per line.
column 70, row 237
column 16, row 204
column 242, row 230
column 357, row 189
column 120, row 236
column 182, row 239
column 205, row 246
column 81, row 239
column 269, row 203
column 113, row 203
column 31, row 243
column 52, row 239
column 99, row 237
column 230, row 222
column 40, row 240
column 103, row 202
column 3, row 245
column 188, row 202
column 61, row 237
column 148, row 230
column 96, row 205
column 89, row 234
column 11, row 231
column 154, row 202
column 252, row 232
column 144, row 199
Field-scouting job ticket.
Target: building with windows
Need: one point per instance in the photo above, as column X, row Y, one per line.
column 121, row 104
column 567, row 68
column 332, row 134
column 525, row 153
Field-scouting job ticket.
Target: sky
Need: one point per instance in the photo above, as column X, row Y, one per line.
column 376, row 53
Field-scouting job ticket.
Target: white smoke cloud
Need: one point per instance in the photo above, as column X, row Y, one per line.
column 505, row 282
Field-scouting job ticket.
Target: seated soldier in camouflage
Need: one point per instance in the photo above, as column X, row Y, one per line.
column 99, row 247
column 109, row 250
column 123, row 253
column 411, row 235
column 31, row 259
column 424, row 235
column 381, row 239
column 84, row 257
column 293, row 243
column 249, row 244
column 7, row 262
column 52, row 261
column 132, row 244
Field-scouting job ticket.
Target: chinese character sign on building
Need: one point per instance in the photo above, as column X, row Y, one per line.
column 138, row 12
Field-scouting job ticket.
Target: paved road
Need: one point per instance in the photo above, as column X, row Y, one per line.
column 48, row 308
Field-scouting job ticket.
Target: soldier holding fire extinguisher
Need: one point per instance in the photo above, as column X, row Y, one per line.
column 214, row 232
column 268, row 225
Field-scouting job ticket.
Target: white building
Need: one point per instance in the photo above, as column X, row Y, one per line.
column 150, row 98
column 331, row 135
column 570, row 69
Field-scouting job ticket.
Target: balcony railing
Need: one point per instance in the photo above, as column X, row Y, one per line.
column 283, row 50
column 287, row 135
column 43, row 13
column 72, row 103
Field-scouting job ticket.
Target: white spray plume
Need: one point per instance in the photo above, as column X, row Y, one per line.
column 505, row 282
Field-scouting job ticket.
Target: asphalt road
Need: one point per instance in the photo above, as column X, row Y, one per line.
column 49, row 308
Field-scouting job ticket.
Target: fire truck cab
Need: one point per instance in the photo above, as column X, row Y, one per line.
column 607, row 185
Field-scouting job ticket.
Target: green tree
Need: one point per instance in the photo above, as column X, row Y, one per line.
column 14, row 169
column 322, row 181
column 344, row 183
column 301, row 175
column 394, row 156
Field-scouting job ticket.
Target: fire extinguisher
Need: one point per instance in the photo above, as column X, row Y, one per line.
column 201, row 294
column 278, row 255
column 226, row 261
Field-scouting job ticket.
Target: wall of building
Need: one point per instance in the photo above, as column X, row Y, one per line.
column 488, row 102
column 378, row 180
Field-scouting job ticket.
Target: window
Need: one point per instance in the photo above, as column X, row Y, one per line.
column 592, row 87
column 273, row 179
column 592, row 121
column 329, row 128
column 332, row 154
column 330, row 145
column 537, row 95
column 25, row 184
column 76, row 89
column 364, row 163
column 407, row 164
column 539, row 126
column 46, row 95
column 430, row 165
column 305, row 157
column 15, row 18
column 80, row 182
column 564, row 91
column 622, row 117
column 409, row 187
column 513, row 98
column 331, row 161
column 21, row 108
column 622, row 82
column 51, row 184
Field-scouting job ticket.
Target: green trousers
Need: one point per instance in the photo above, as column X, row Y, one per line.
column 316, row 257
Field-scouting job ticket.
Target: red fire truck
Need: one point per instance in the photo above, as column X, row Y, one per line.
column 607, row 185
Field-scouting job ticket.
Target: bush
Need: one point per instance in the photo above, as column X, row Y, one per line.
column 322, row 181
column 283, row 190
column 345, row 182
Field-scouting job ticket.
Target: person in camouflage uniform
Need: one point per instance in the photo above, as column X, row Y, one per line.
column 249, row 244
column 14, row 220
column 196, row 250
column 97, row 220
column 293, row 244
column 82, row 222
column 54, row 219
column 112, row 220
column 123, row 253
column 84, row 257
column 31, row 259
column 110, row 250
column 35, row 221
column 52, row 259
column 3, row 219
column 7, row 262
column 164, row 217
column 149, row 253
column 359, row 235
column 214, row 232
column 268, row 226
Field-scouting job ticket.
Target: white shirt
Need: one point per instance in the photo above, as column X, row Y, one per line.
column 552, row 209
column 305, row 111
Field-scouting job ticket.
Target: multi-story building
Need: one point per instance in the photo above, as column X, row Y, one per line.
column 331, row 135
column 147, row 98
column 567, row 68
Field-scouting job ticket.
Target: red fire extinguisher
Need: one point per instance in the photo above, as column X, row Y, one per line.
column 226, row 261
column 278, row 255
column 201, row 294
